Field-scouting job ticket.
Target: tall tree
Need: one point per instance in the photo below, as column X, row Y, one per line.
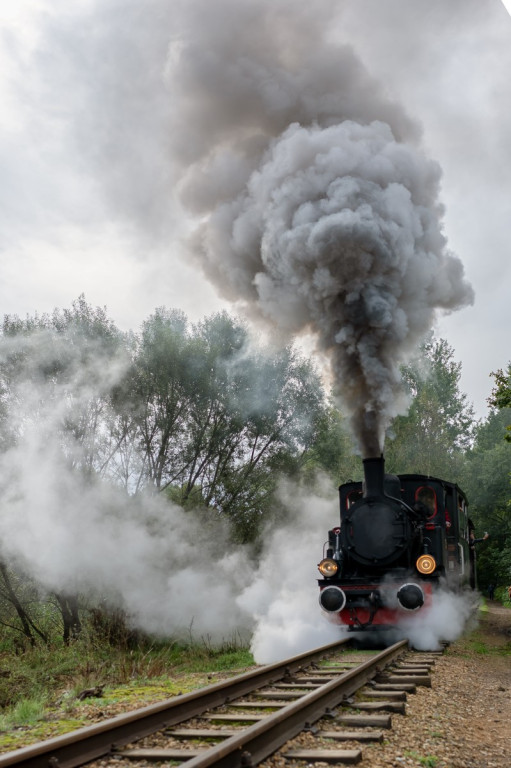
column 486, row 482
column 216, row 417
column 17, row 595
column 501, row 394
column 438, row 428
column 57, row 376
column 157, row 395
column 65, row 365
column 333, row 449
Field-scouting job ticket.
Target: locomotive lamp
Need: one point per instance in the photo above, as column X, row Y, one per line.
column 332, row 599
column 328, row 567
column 425, row 564
column 411, row 597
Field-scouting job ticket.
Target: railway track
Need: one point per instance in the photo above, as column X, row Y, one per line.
column 241, row 722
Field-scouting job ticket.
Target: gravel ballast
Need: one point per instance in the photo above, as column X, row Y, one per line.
column 463, row 720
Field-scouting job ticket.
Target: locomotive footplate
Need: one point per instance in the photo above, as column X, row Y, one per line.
column 371, row 627
column 382, row 606
column 363, row 598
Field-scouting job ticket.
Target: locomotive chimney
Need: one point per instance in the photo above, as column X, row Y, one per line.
column 374, row 475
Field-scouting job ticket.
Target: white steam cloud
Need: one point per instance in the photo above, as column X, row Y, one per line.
column 283, row 596
column 444, row 622
column 77, row 532
column 318, row 210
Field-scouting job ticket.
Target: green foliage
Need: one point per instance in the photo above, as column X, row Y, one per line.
column 429, row 761
column 208, row 419
column 198, row 411
column 57, row 375
column 437, row 430
column 332, row 450
column 486, row 482
column 217, row 418
column 502, row 596
column 24, row 712
column 501, row 395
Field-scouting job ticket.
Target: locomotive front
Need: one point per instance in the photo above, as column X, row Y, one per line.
column 383, row 560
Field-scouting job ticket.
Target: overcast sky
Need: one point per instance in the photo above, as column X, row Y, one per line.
column 87, row 187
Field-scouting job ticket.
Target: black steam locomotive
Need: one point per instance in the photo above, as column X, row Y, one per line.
column 400, row 537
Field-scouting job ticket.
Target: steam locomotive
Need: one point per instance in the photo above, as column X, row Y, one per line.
column 400, row 537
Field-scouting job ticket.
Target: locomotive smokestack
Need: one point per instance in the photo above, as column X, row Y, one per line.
column 374, row 475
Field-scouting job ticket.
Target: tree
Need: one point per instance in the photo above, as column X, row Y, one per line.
column 66, row 364
column 501, row 394
column 156, row 395
column 69, row 609
column 333, row 450
column 218, row 418
column 198, row 413
column 486, row 482
column 265, row 410
column 17, row 593
column 57, row 374
column 432, row 438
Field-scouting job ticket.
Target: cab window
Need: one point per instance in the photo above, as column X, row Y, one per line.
column 426, row 497
column 462, row 518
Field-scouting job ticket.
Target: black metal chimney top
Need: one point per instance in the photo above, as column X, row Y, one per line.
column 374, row 477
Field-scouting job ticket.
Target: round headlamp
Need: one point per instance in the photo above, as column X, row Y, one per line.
column 425, row 564
column 328, row 567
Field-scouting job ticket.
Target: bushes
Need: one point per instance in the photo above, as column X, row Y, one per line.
column 501, row 596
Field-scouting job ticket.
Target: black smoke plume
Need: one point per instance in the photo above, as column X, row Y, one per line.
column 318, row 211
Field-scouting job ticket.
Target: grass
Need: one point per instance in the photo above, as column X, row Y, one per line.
column 476, row 644
column 428, row 760
column 40, row 688
column 25, row 712
column 481, row 641
column 480, row 647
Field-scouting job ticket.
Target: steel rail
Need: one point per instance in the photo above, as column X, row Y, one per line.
column 259, row 741
column 93, row 741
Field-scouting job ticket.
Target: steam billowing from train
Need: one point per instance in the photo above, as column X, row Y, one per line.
column 318, row 211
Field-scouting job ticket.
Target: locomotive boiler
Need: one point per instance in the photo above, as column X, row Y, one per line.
column 400, row 538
